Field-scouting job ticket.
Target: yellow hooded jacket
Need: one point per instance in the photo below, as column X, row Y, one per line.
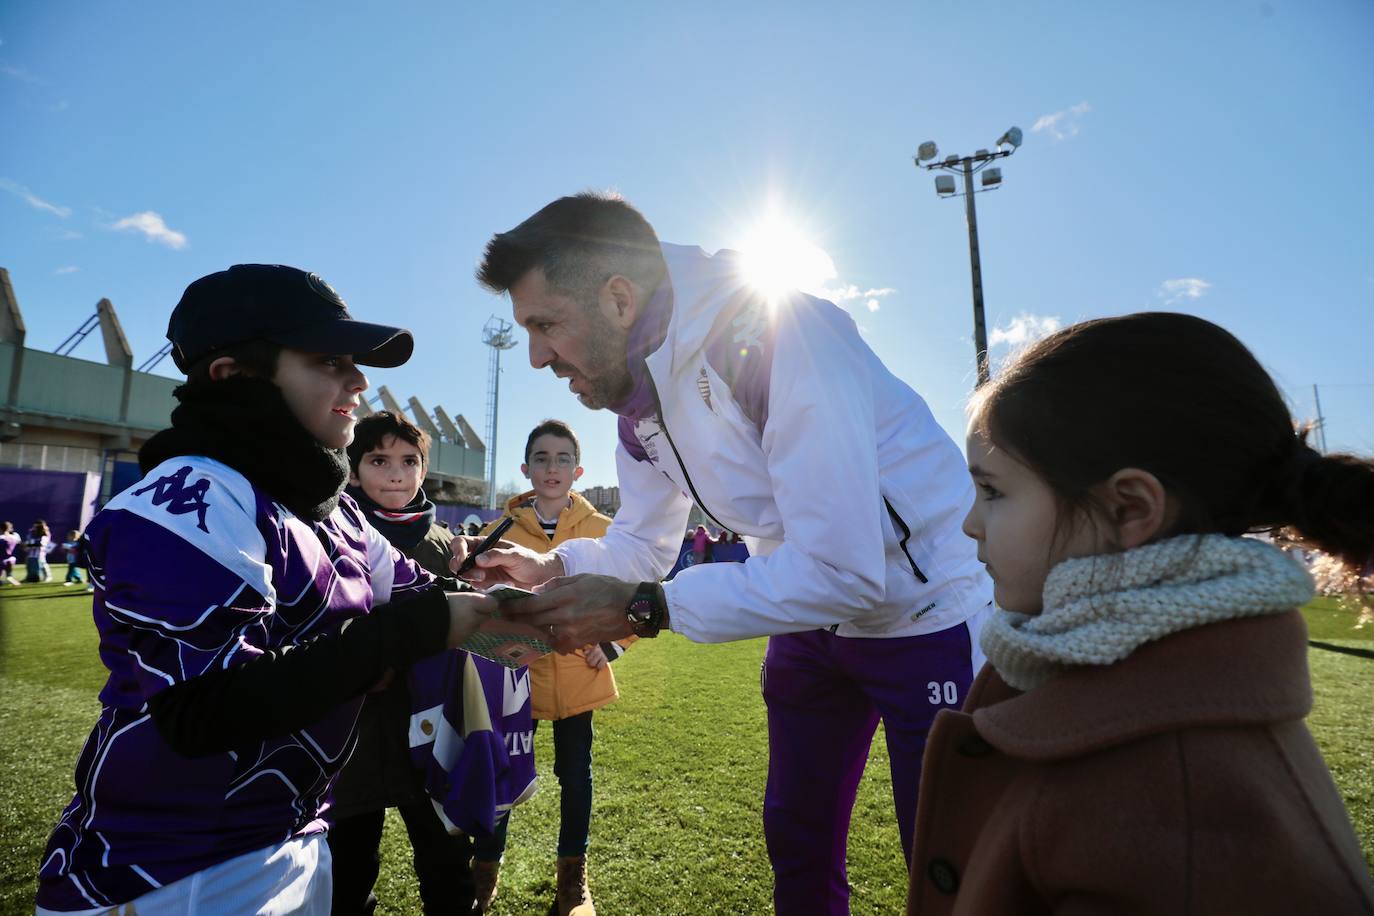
column 562, row 685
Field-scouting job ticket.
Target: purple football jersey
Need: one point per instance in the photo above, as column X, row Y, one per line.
column 197, row 569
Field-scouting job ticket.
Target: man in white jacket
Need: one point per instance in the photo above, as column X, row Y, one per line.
column 775, row 417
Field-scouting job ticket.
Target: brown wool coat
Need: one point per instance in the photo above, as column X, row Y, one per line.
column 562, row 685
column 1179, row 780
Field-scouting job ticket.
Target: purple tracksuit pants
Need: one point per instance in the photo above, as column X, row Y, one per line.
column 825, row 695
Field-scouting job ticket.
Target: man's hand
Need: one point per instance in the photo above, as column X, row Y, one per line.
column 506, row 563
column 466, row 611
column 595, row 657
column 578, row 610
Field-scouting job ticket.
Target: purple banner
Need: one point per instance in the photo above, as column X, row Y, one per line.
column 461, row 516
column 715, row 553
column 64, row 499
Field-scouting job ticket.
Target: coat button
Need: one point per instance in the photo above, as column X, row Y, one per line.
column 943, row 876
column 974, row 746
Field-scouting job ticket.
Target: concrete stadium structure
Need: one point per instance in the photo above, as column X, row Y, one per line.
column 63, row 418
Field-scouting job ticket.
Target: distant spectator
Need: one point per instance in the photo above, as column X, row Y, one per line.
column 700, row 539
column 36, row 548
column 474, row 529
column 72, row 546
column 9, row 552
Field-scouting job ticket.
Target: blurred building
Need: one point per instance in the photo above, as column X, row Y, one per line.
column 605, row 499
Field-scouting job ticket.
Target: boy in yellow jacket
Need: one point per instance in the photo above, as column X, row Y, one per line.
column 564, row 688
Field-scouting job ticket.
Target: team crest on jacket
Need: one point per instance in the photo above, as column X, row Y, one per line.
column 704, row 388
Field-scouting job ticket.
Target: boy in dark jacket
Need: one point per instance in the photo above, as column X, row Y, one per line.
column 387, row 460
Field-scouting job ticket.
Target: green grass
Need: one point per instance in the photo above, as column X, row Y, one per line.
column 680, row 767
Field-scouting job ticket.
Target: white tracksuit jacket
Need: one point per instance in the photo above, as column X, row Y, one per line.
column 786, row 428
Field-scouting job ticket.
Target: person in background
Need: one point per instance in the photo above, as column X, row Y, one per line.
column 36, row 547
column 564, row 688
column 1135, row 743
column 9, row 552
column 71, row 546
column 387, row 460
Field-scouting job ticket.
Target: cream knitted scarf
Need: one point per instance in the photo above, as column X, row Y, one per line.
column 1100, row 609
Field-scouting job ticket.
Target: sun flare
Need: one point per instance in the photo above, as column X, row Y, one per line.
column 778, row 258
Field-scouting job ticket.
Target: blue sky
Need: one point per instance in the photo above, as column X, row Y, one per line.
column 1201, row 157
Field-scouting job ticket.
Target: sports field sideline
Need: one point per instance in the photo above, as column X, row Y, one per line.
column 680, row 768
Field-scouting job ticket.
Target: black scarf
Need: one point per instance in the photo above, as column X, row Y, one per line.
column 245, row 423
column 404, row 527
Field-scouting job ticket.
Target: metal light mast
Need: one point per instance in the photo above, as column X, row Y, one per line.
column 967, row 166
column 496, row 333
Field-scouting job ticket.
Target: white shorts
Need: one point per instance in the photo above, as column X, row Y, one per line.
column 293, row 877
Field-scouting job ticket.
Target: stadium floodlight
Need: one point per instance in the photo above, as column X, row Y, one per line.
column 967, row 167
column 1011, row 138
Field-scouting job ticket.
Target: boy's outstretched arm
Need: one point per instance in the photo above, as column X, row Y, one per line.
column 289, row 688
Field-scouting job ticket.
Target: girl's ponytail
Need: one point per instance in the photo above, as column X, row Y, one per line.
column 1332, row 506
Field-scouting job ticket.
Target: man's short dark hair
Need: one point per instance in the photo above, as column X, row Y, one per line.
column 579, row 242
column 257, row 358
column 554, row 428
column 369, row 432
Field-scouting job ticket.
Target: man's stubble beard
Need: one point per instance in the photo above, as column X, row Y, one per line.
column 607, row 348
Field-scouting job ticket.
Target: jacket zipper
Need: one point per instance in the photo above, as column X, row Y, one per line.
column 663, row 425
column 906, row 536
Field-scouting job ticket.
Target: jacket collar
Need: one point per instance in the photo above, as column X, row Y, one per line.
column 522, row 508
column 1240, row 672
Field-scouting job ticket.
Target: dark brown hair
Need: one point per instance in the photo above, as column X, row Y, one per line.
column 1185, row 400
column 554, row 428
column 257, row 358
column 373, row 428
column 579, row 242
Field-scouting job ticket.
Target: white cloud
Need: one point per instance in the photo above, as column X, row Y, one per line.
column 67, row 235
column 33, row 200
column 1023, row 329
column 69, row 269
column 1183, row 288
column 1062, row 124
column 872, row 305
column 19, row 73
column 152, row 225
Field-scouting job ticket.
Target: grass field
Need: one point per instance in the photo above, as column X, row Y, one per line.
column 680, row 767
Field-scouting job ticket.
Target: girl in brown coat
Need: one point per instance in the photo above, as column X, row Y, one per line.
column 1136, row 744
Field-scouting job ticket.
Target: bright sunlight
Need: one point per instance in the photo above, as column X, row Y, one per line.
column 778, row 258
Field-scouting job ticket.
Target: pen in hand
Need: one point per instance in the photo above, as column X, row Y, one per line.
column 489, row 542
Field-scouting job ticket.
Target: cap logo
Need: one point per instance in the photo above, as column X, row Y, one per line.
column 324, row 290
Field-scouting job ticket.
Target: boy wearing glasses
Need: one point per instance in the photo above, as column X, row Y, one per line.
column 564, row 688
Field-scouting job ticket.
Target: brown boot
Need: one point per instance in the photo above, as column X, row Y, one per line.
column 485, row 877
column 574, row 897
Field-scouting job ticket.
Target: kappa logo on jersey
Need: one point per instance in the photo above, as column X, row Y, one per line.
column 180, row 498
column 517, row 691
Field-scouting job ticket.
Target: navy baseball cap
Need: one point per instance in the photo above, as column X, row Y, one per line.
column 285, row 305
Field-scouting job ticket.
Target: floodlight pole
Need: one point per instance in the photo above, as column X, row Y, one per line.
column 968, row 166
column 980, row 327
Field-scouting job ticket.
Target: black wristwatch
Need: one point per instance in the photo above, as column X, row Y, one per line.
column 647, row 611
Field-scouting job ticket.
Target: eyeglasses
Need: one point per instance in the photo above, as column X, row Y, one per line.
column 563, row 462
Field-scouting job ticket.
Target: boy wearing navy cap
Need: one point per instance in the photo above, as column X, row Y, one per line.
column 238, row 664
